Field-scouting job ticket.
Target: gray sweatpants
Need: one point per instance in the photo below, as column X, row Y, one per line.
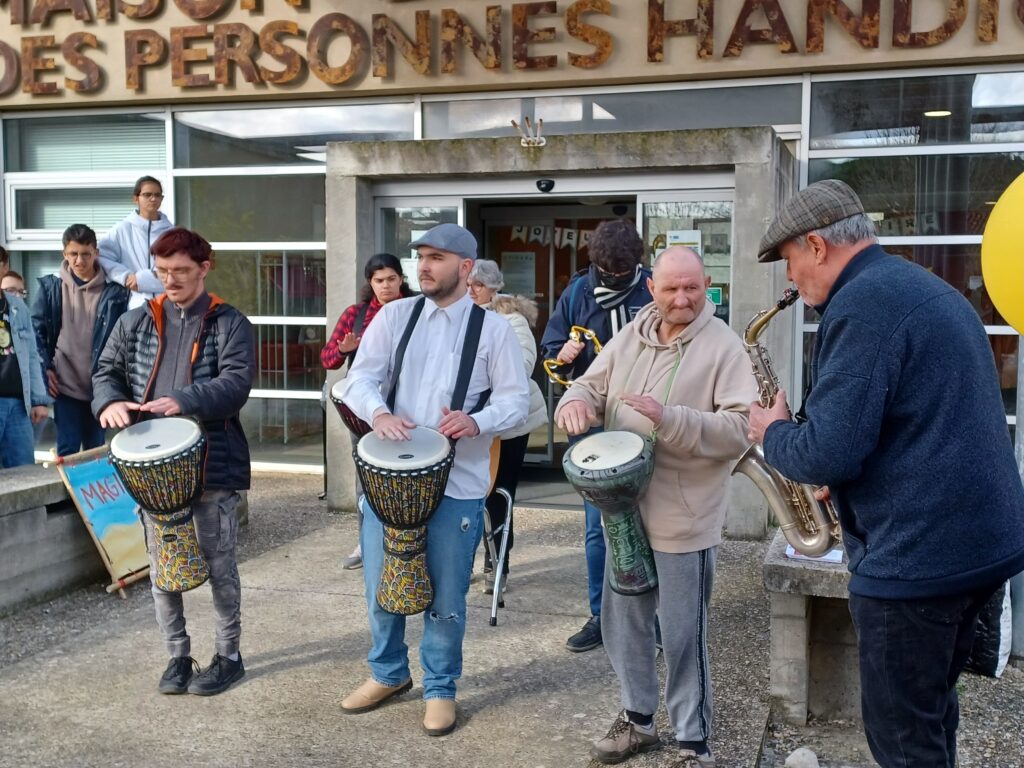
column 217, row 529
column 627, row 626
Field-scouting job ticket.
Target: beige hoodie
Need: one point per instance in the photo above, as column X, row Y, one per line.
column 704, row 426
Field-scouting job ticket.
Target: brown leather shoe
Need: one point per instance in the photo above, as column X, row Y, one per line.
column 439, row 717
column 371, row 695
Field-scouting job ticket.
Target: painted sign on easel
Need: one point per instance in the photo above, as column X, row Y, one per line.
column 109, row 514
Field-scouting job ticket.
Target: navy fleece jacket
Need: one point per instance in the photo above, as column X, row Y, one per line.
column 905, row 424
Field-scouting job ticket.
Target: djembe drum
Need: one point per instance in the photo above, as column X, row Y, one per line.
column 404, row 482
column 161, row 462
column 356, row 426
column 611, row 470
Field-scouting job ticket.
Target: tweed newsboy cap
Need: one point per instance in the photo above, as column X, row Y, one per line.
column 821, row 204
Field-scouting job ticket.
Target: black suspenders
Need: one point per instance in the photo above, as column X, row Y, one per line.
column 468, row 357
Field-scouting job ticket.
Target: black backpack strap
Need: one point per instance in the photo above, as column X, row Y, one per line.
column 417, row 310
column 360, row 323
column 469, row 347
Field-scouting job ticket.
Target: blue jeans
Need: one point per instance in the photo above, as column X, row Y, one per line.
column 593, row 543
column 17, row 444
column 911, row 654
column 77, row 430
column 452, row 535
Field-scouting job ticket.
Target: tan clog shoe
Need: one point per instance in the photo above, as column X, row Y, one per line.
column 371, row 695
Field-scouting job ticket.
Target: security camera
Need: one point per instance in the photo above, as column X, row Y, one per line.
column 545, row 185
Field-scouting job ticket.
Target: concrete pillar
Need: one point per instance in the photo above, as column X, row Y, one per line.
column 350, row 242
column 790, row 659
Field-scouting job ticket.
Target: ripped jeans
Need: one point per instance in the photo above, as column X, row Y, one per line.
column 452, row 535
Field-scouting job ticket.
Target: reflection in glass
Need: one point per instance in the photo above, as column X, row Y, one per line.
column 288, row 356
column 253, row 208
column 85, row 143
column 887, row 112
column 284, row 431
column 271, row 282
column 282, row 135
column 475, row 118
column 53, row 209
column 926, row 194
column 667, row 110
column 704, row 226
column 400, row 226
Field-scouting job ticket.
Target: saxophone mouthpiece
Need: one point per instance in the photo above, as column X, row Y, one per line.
column 789, row 297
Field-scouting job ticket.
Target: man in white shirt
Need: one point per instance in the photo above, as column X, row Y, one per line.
column 422, row 398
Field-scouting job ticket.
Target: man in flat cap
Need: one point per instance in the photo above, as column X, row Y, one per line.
column 410, row 373
column 905, row 428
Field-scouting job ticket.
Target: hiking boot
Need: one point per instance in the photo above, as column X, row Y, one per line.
column 355, row 560
column 218, row 677
column 689, row 759
column 587, row 638
column 623, row 740
column 175, row 678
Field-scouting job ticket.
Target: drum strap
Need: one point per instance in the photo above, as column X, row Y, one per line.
column 417, row 310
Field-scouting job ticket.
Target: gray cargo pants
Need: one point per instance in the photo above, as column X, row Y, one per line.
column 217, row 529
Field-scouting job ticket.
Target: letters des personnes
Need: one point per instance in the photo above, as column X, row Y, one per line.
column 337, row 49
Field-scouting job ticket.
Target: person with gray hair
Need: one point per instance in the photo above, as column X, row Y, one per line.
column 485, row 280
column 905, row 432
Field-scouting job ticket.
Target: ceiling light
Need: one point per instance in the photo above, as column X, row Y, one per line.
column 938, row 113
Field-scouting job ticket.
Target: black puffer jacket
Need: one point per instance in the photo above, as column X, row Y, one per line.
column 223, row 369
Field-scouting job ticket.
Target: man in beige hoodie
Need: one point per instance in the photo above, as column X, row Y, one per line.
column 681, row 373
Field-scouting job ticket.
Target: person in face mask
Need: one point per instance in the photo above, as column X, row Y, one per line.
column 604, row 298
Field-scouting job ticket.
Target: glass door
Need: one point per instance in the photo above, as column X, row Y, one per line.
column 401, row 221
column 702, row 221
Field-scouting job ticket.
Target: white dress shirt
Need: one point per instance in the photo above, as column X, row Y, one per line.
column 428, row 377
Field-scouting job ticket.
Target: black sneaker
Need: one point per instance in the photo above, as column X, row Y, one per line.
column 177, row 675
column 587, row 638
column 217, row 677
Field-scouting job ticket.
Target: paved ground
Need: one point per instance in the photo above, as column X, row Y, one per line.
column 78, row 675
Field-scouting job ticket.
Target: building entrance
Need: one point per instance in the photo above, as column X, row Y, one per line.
column 540, row 240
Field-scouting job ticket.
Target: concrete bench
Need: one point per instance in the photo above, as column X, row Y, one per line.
column 813, row 656
column 45, row 548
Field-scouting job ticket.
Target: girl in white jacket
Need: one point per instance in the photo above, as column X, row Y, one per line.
column 124, row 252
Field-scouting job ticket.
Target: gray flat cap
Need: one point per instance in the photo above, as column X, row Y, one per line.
column 821, row 204
column 451, row 238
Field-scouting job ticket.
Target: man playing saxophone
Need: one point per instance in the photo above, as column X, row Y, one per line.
column 905, row 425
column 680, row 371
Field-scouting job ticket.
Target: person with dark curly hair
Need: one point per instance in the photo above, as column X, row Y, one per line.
column 603, row 297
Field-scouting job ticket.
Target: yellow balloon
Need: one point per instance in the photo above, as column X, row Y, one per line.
column 1002, row 254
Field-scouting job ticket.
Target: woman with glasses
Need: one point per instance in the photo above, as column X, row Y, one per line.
column 124, row 252
column 485, row 281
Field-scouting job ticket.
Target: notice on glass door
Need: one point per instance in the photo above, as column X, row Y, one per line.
column 520, row 273
column 691, row 238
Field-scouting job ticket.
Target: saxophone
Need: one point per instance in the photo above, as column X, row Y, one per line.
column 809, row 525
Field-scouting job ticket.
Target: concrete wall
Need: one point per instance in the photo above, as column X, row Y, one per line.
column 764, row 172
column 44, row 546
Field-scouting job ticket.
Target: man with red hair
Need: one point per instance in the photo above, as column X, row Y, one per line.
column 188, row 353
